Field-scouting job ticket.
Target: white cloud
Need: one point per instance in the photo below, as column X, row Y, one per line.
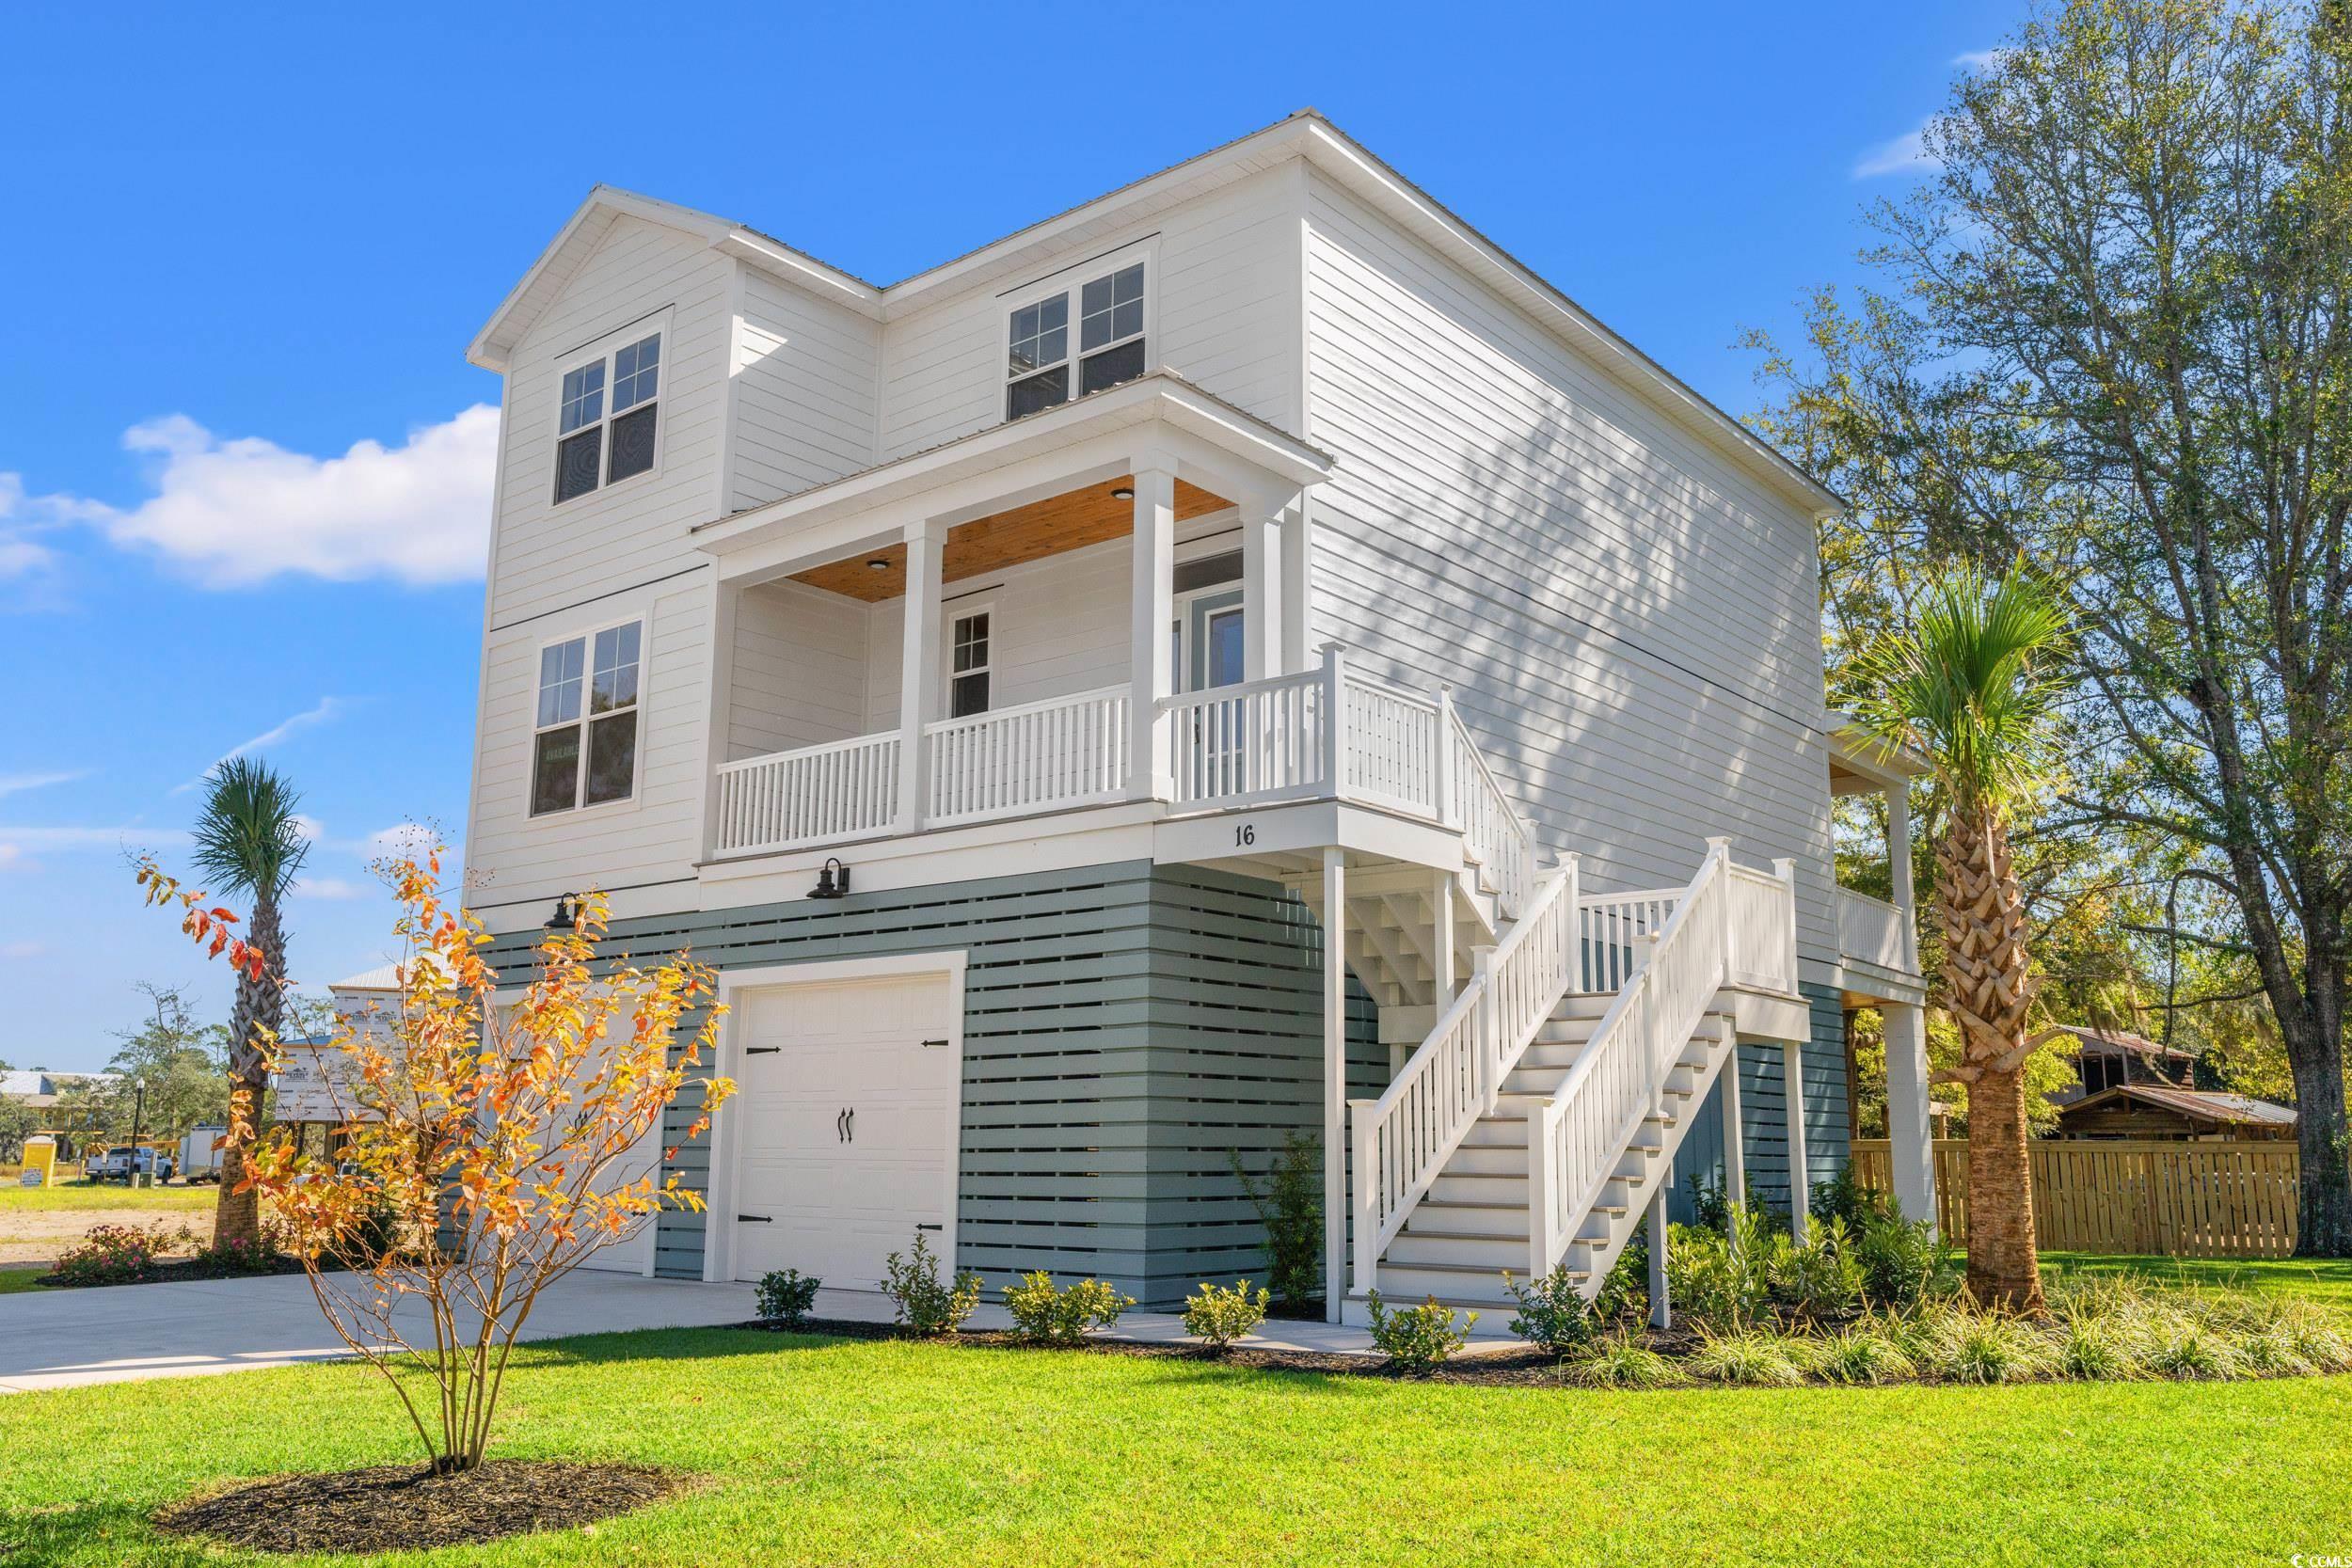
column 334, row 888
column 19, row 843
column 240, row 511
column 12, row 783
column 22, row 949
column 328, row 707
column 25, row 519
column 1905, row 154
column 1977, row 60
column 401, row 838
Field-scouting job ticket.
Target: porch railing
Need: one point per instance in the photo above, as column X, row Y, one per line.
column 847, row 789
column 1062, row 753
column 1875, row 931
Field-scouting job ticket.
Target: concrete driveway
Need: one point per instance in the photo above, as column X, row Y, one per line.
column 61, row 1338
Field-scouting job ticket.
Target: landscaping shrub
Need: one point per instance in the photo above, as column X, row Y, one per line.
column 1844, row 1197
column 1552, row 1312
column 1819, row 1278
column 1290, row 1206
column 116, row 1254
column 2091, row 1346
column 786, row 1296
column 1614, row 1361
column 1902, row 1262
column 1975, row 1346
column 1757, row 1359
column 241, row 1255
column 1717, row 1278
column 1418, row 1338
column 1053, row 1317
column 1222, row 1316
column 2186, row 1347
column 924, row 1302
column 1861, row 1354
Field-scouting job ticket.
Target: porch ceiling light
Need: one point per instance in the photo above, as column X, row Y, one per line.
column 1123, row 493
column 877, row 563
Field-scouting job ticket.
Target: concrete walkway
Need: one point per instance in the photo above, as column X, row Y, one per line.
column 118, row 1333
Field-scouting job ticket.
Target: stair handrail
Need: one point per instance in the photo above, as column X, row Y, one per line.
column 1576, row 1136
column 1480, row 800
column 1400, row 1141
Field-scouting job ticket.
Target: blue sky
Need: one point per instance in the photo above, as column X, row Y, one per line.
column 242, row 494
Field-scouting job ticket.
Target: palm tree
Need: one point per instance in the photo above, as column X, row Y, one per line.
column 1973, row 686
column 248, row 841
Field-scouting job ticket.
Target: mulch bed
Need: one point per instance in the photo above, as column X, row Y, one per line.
column 1526, row 1366
column 408, row 1508
column 172, row 1271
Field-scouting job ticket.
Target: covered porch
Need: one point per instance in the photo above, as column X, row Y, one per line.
column 1099, row 603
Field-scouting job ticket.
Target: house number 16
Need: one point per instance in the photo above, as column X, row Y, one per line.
column 1245, row 834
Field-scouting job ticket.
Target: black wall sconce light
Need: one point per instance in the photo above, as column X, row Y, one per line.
column 833, row 881
column 567, row 915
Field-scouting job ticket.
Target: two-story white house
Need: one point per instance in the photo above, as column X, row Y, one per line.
column 1242, row 656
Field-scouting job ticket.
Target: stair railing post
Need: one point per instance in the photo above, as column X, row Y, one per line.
column 1569, row 959
column 1719, row 849
column 1362, row 1177
column 1540, row 1196
column 1645, row 954
column 1785, row 869
column 1335, row 719
column 1484, row 1035
column 1442, row 787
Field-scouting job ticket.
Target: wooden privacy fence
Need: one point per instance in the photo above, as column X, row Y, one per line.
column 2221, row 1200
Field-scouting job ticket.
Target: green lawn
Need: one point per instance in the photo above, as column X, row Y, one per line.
column 74, row 1196
column 833, row 1452
column 2328, row 1279
column 14, row 1278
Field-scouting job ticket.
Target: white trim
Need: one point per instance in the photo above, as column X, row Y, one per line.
column 726, row 1147
column 586, row 636
column 983, row 603
column 1069, row 280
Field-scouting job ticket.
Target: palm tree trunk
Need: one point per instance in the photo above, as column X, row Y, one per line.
column 1990, row 985
column 260, row 1011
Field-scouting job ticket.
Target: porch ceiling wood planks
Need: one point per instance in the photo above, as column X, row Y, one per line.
column 1070, row 521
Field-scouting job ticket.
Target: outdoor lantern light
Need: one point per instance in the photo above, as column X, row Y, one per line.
column 1123, row 493
column 567, row 915
column 833, row 881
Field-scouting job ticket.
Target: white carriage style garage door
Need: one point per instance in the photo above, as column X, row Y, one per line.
column 849, row 1094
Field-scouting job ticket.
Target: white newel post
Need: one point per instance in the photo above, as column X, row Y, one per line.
column 1335, row 719
column 918, row 674
column 1334, row 1080
column 1152, row 663
column 1442, row 786
column 1261, row 592
column 1719, row 848
column 1785, row 869
column 1800, row 1180
column 1910, row 1143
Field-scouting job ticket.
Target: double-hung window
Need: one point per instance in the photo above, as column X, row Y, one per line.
column 1098, row 322
column 584, row 748
column 609, row 412
column 969, row 666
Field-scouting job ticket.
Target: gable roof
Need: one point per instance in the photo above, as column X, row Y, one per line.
column 1304, row 134
column 2196, row 1104
column 2092, row 1040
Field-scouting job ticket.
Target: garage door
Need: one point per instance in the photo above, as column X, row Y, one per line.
column 848, row 1101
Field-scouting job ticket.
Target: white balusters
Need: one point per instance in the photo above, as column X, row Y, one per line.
column 844, row 790
column 1051, row 755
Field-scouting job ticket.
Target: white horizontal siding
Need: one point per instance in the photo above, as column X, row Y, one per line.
column 1629, row 619
column 804, row 392
column 799, row 669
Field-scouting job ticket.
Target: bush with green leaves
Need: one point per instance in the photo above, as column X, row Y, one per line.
column 1758, row 1359
column 1050, row 1316
column 1220, row 1316
column 1552, row 1312
column 925, row 1303
column 1717, row 1278
column 1860, row 1352
column 1819, row 1277
column 116, row 1254
column 1289, row 1202
column 786, row 1296
column 1844, row 1197
column 1902, row 1262
column 1416, row 1338
column 1618, row 1361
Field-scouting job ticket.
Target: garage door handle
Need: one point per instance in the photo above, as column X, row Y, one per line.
column 853, row 1124
column 841, row 1126
column 754, row 1219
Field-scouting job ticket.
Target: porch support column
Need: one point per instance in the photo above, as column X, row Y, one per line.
column 1898, row 864
column 919, row 674
column 1151, row 662
column 1334, row 1080
column 1660, row 1311
column 726, row 597
column 1910, row 1145
column 1792, row 1090
column 1441, row 943
column 1297, row 586
column 1735, row 1135
column 1262, row 590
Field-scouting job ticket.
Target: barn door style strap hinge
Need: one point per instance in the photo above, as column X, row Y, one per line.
column 761, row 1050
column 927, row 1044
column 754, row 1219
column 930, row 1228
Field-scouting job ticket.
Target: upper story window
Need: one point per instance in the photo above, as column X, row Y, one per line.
column 969, row 666
column 610, row 409
column 583, row 751
column 1109, row 310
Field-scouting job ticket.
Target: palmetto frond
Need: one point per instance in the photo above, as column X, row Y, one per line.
column 1974, row 684
column 247, row 838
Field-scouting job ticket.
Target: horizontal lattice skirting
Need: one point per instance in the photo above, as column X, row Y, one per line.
column 1764, row 1116
column 1126, row 1029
